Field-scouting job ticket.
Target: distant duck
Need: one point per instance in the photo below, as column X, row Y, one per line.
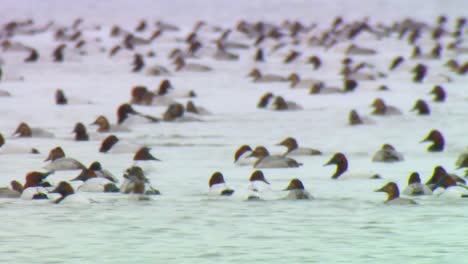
column 448, row 187
column 293, row 148
column 58, row 53
column 355, row 119
column 291, row 56
column 387, row 154
column 135, row 176
column 341, row 162
column 61, row 99
column 353, row 49
column 265, row 78
column 242, row 156
column 112, row 144
column 144, row 159
column 127, row 115
column 280, row 104
column 92, row 183
column 33, row 56
column 192, row 108
column 349, row 85
column 421, row 107
column 166, row 89
column 265, row 160
column 7, row 148
column 439, row 93
column 257, row 185
column 68, row 195
column 96, row 167
column 380, row 108
column 415, row 187
column 393, row 193
column 59, row 162
column 297, row 191
column 181, row 65
column 437, row 139
column 218, row 185
column 24, row 130
column 297, row 82
column 396, row 63
column 105, row 127
column 176, row 113
column 80, row 132
column 437, row 175
column 14, row 191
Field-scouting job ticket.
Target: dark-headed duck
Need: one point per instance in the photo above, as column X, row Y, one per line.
column 394, row 194
column 293, row 148
column 415, row 187
column 59, row 162
column 387, row 153
column 297, row 191
column 265, row 160
column 438, row 142
column 218, row 185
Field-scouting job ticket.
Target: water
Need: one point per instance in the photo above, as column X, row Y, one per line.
column 346, row 223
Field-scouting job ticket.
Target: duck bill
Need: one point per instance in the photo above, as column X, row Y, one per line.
column 380, row 190
column 330, row 162
column 265, row 181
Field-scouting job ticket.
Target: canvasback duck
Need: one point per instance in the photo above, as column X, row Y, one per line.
column 265, row 78
column 6, row 148
column 292, row 56
column 396, row 62
column 144, row 159
column 297, row 191
column 33, row 56
column 257, row 184
column 80, row 132
column 387, row 153
column 157, row 70
column 15, row 190
column 60, row 98
column 437, row 175
column 176, row 113
column 447, row 187
column 181, row 65
column 341, row 162
column 242, row 156
column 59, row 162
column 439, row 93
column 293, row 148
column 353, row 49
column 58, row 53
column 133, row 176
column 192, row 108
column 104, row 126
column 138, row 191
column 222, row 53
column 421, row 107
column 438, row 142
column 415, row 187
column 138, row 63
column 265, row 160
column 93, row 183
column 112, row 144
column 380, row 108
column 315, row 61
column 259, row 57
column 166, row 89
column 35, row 187
column 297, row 82
column 102, row 173
column 141, row 96
column 355, row 119
column 24, row 130
column 420, row 71
column 126, row 114
column 68, row 195
column 320, row 88
column 393, row 193
column 280, row 104
column 218, row 185
column 265, row 100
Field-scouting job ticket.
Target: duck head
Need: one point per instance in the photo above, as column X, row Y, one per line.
column 242, row 149
column 341, row 162
column 391, row 189
column 258, row 176
column 438, row 142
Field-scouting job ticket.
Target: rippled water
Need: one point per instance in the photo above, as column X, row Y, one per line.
column 346, row 223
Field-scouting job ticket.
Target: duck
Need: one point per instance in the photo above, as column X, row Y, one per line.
column 190, row 107
column 387, row 153
column 112, row 144
column 297, row 82
column 35, row 187
column 218, row 186
column 437, row 176
column 96, row 167
column 339, row 159
column 135, row 175
column 141, row 96
column 14, row 191
column 24, row 130
column 167, row 90
column 258, row 77
column 242, row 156
column 104, row 126
column 439, row 92
column 421, row 107
column 354, row 49
column 297, row 191
column 380, row 108
column 144, row 159
column 354, row 119
column 415, row 187
column 265, row 160
column 126, row 115
column 176, row 113
column 61, row 99
column 58, row 161
column 93, row 183
column 257, row 185
column 68, row 195
column 396, row 62
column 447, row 187
column 7, row 148
column 437, row 139
column 181, row 65
column 80, row 132
column 320, row 88
column 138, row 192
column 293, row 148
column 393, row 193
column 280, row 104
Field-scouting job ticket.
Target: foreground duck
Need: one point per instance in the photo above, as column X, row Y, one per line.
column 415, row 187
column 393, row 193
column 297, row 191
column 218, row 185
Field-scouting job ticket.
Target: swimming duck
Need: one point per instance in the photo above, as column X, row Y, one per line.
column 393, row 193
column 265, row 78
column 396, row 62
column 257, row 184
column 176, row 113
column 354, row 119
column 181, row 65
column 6, row 148
column 421, row 107
column 437, row 176
column 297, row 82
column 265, row 160
column 218, row 185
column 293, row 148
column 144, row 159
column 126, row 114
column 280, row 104
column 380, row 108
column 320, row 88
column 134, row 176
column 341, row 162
column 35, row 186
column 96, row 167
column 93, row 183
column 297, row 191
column 192, row 108
column 242, row 156
column 415, row 187
column 439, row 93
column 112, row 144
column 437, row 140
column 59, row 162
column 353, row 49
column 68, row 195
column 14, row 191
column 447, row 187
column 387, row 154
column 24, row 130
column 104, row 126
column 80, row 132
